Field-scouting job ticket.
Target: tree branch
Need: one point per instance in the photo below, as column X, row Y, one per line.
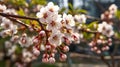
column 17, row 16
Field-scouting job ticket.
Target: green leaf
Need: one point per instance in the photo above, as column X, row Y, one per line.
column 21, row 12
column 87, row 35
column 92, row 25
column 18, row 49
column 82, row 11
column 117, row 14
column 117, row 34
column 70, row 6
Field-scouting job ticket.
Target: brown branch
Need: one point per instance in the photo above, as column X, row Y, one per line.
column 17, row 16
column 18, row 21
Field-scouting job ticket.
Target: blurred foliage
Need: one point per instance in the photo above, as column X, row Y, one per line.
column 93, row 25
column 25, row 3
column 74, row 11
column 21, row 12
column 118, row 14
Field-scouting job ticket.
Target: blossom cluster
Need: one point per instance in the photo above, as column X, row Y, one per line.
column 9, row 27
column 56, row 32
column 105, row 28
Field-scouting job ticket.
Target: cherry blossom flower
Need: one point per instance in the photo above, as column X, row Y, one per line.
column 80, row 18
column 68, row 20
column 105, row 29
column 51, row 7
column 27, row 56
column 106, row 15
column 10, row 11
column 12, row 50
column 48, row 13
column 42, row 15
column 14, row 39
column 8, row 44
column 2, row 7
column 25, row 41
column 6, row 23
column 54, row 24
column 56, row 38
column 113, row 8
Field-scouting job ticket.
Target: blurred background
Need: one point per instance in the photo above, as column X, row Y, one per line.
column 80, row 55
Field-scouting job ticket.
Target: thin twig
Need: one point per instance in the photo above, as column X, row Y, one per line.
column 17, row 16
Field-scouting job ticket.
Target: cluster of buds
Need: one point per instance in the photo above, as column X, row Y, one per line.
column 100, row 45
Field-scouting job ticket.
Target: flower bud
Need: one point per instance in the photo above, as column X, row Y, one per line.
column 36, row 52
column 42, row 33
column 63, row 57
column 65, row 48
column 45, row 60
column 52, row 60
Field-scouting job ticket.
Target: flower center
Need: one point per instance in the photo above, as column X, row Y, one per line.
column 55, row 37
column 53, row 23
column 45, row 15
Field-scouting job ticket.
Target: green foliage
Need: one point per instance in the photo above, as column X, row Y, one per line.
column 88, row 36
column 21, row 12
column 18, row 49
column 18, row 2
column 118, row 14
column 42, row 2
column 75, row 11
column 2, row 63
column 93, row 25
column 117, row 34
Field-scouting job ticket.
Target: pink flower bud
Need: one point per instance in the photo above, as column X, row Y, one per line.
column 42, row 33
column 52, row 54
column 45, row 55
column 106, row 48
column 109, row 44
column 103, row 48
column 48, row 47
column 99, row 41
column 51, row 60
column 67, row 41
column 63, row 57
column 109, row 40
column 36, row 52
column 35, row 40
column 75, row 37
column 95, row 48
column 90, row 44
column 98, row 51
column 45, row 60
column 92, row 49
column 54, row 51
column 65, row 48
